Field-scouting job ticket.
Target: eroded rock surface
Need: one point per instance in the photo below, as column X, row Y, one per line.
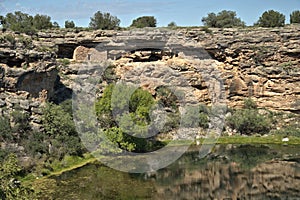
column 260, row 63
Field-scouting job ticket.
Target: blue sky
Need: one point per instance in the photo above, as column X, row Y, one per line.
column 183, row 12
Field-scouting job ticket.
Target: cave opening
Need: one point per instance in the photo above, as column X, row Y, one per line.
column 147, row 55
column 66, row 50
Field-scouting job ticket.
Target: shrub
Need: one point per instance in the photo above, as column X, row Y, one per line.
column 295, row 17
column 145, row 21
column 21, row 121
column 195, row 117
column 291, row 130
column 69, row 24
column 206, row 29
column 5, row 129
column 41, row 22
column 249, row 104
column 19, row 21
column 131, row 116
column 36, row 144
column 25, row 23
column 271, row 18
column 55, row 25
column 65, row 61
column 103, row 108
column 10, row 38
column 172, row 25
column 60, row 130
column 10, row 187
column 116, row 136
column 104, row 21
column 224, row 19
column 248, row 120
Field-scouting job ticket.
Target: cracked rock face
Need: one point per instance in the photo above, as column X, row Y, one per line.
column 260, row 63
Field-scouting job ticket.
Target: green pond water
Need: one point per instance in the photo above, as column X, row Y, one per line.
column 228, row 172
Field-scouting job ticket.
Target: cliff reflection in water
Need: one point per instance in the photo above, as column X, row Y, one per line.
column 229, row 172
column 233, row 172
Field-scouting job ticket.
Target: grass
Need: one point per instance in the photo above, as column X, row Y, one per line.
column 270, row 139
column 70, row 163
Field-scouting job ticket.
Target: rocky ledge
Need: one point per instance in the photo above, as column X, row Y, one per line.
column 253, row 62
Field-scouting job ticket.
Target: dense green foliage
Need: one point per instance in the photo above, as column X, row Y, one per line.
column 271, row 18
column 295, row 17
column 249, row 121
column 15, row 127
column 10, row 187
column 103, row 108
column 62, row 137
column 123, row 112
column 104, row 21
column 5, row 129
column 224, row 19
column 41, row 22
column 145, row 21
column 25, row 23
column 69, row 24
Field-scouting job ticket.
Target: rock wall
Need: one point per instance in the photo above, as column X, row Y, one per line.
column 262, row 63
column 253, row 62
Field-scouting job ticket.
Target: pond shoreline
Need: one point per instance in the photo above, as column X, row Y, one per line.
column 271, row 139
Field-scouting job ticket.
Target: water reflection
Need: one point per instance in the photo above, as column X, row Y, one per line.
column 228, row 172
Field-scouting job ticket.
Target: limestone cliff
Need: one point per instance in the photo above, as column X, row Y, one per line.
column 253, row 62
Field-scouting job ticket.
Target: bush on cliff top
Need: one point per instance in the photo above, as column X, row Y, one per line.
column 224, row 19
column 295, row 17
column 271, row 18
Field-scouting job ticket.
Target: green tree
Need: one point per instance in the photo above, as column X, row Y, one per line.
column 41, row 22
column 224, row 19
column 145, row 21
column 19, row 21
column 5, row 129
column 172, row 25
column 21, row 121
column 10, row 187
column 295, row 17
column 271, row 18
column 1, row 20
column 104, row 21
column 69, row 24
column 60, row 129
column 131, row 115
column 118, row 137
column 103, row 108
column 55, row 25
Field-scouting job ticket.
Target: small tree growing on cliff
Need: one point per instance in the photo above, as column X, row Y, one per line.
column 104, row 21
column 271, row 18
column 295, row 17
column 145, row 21
column 69, row 24
column 224, row 19
column 172, row 25
column 19, row 21
column 42, row 22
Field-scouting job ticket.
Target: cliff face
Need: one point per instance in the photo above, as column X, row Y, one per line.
column 254, row 62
